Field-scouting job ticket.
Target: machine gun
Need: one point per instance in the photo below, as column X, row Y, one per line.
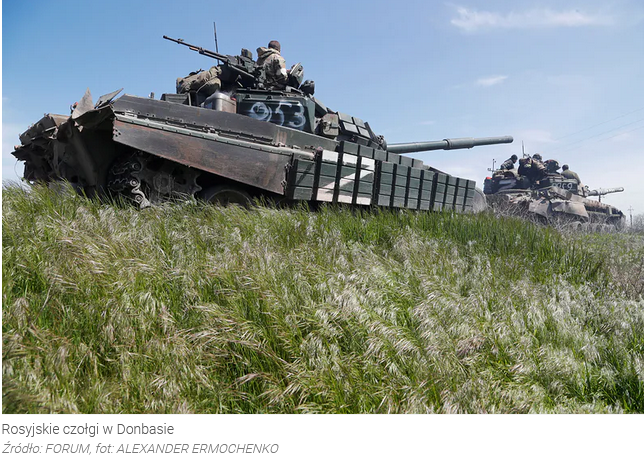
column 604, row 191
column 241, row 66
column 447, row 144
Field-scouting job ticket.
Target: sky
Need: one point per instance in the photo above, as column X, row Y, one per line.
column 563, row 77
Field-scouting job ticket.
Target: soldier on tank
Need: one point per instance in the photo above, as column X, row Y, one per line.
column 568, row 174
column 274, row 66
column 205, row 82
column 552, row 166
column 532, row 168
column 509, row 163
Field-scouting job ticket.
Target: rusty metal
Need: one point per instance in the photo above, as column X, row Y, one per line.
column 243, row 164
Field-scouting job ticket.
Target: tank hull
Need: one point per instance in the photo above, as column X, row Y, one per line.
column 153, row 150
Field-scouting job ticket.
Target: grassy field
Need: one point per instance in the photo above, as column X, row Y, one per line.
column 200, row 309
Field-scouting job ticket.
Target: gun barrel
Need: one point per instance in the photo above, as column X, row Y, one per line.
column 214, row 55
column 447, row 144
column 605, row 191
column 200, row 50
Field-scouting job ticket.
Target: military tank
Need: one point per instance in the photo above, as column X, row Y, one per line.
column 227, row 136
column 538, row 192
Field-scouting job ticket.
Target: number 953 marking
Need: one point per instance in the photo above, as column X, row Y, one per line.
column 287, row 114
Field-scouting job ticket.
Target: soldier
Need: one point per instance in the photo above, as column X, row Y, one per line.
column 206, row 82
column 552, row 166
column 509, row 163
column 274, row 66
column 568, row 174
column 532, row 168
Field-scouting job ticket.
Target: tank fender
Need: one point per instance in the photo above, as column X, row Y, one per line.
column 233, row 159
column 570, row 207
column 540, row 207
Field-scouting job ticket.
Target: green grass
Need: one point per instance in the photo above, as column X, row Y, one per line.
column 193, row 308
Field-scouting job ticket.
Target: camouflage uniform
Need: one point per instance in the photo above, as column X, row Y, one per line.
column 571, row 175
column 205, row 82
column 274, row 68
column 532, row 168
column 507, row 165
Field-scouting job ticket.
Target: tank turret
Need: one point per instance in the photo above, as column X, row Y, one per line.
column 447, row 144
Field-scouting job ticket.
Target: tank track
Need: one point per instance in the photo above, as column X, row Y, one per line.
column 147, row 180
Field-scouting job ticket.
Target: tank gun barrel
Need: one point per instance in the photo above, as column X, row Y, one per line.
column 447, row 144
column 605, row 191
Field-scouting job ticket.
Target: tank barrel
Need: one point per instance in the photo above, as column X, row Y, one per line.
column 605, row 191
column 447, row 144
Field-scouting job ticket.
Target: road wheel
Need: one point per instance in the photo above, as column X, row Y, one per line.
column 225, row 195
column 575, row 226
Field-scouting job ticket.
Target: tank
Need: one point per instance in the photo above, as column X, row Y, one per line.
column 227, row 136
column 537, row 191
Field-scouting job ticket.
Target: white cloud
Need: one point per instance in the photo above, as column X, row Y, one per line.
column 487, row 82
column 471, row 20
column 481, row 82
column 532, row 138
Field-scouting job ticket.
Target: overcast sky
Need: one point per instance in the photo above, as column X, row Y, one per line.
column 563, row 77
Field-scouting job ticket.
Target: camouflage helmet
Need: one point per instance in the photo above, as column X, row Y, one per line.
column 274, row 44
column 514, row 157
column 564, row 167
column 537, row 157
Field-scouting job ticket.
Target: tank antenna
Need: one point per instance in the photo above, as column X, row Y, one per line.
column 214, row 25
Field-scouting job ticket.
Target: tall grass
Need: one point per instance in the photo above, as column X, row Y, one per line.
column 194, row 308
